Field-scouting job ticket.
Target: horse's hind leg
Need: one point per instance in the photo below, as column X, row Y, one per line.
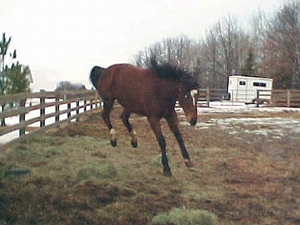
column 125, row 119
column 173, row 125
column 106, row 117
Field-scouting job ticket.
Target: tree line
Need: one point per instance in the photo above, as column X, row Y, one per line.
column 270, row 47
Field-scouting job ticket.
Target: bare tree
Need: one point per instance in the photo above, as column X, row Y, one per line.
column 231, row 37
column 179, row 51
column 282, row 46
column 223, row 51
column 211, row 57
column 258, row 34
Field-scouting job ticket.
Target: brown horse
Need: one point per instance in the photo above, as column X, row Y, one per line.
column 150, row 92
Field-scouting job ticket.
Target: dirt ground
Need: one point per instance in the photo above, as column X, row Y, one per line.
column 247, row 177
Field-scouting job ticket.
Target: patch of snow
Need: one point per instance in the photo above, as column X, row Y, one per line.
column 275, row 127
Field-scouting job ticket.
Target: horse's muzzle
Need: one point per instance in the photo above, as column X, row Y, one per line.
column 193, row 122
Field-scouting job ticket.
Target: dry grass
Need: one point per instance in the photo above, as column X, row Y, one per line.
column 76, row 177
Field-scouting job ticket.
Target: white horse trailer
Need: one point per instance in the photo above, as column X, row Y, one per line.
column 244, row 88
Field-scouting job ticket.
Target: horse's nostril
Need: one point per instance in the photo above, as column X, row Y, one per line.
column 193, row 122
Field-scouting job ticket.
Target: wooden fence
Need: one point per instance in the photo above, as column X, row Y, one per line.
column 274, row 98
column 37, row 109
column 280, row 98
column 208, row 95
column 43, row 110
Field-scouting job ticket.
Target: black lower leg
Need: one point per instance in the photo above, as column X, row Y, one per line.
column 156, row 128
column 173, row 124
column 180, row 141
column 164, row 158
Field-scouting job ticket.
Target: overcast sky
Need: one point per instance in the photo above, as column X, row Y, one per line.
column 63, row 39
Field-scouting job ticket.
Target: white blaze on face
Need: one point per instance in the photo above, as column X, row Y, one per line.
column 193, row 93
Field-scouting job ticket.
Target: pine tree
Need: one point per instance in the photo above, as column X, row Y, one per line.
column 14, row 78
column 4, row 44
column 249, row 67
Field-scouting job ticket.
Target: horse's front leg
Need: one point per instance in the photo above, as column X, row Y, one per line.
column 156, row 128
column 173, row 124
column 125, row 119
column 106, row 117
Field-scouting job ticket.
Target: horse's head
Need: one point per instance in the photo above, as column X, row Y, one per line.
column 188, row 96
column 188, row 87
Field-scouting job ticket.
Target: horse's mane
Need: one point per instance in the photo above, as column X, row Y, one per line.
column 168, row 70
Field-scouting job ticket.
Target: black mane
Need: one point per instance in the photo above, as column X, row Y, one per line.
column 167, row 70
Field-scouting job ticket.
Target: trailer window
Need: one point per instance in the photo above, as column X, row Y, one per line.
column 242, row 82
column 259, row 84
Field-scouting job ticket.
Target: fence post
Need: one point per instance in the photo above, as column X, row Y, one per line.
column 22, row 119
column 84, row 109
column 288, row 98
column 257, row 98
column 69, row 110
column 42, row 110
column 77, row 110
column 57, row 110
column 207, row 96
column 3, row 120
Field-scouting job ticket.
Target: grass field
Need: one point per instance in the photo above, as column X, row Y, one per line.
column 72, row 175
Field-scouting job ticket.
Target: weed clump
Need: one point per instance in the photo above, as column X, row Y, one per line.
column 99, row 172
column 186, row 217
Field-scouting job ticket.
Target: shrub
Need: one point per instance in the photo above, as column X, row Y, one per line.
column 186, row 217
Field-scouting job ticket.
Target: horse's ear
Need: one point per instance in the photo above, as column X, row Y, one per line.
column 190, row 82
column 153, row 62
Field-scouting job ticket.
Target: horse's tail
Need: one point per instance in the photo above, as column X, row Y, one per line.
column 95, row 74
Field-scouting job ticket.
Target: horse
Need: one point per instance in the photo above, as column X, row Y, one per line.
column 150, row 92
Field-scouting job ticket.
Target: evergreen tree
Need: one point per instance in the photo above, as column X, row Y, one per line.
column 249, row 67
column 4, row 44
column 17, row 77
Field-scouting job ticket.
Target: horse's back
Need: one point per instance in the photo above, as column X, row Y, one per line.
column 140, row 90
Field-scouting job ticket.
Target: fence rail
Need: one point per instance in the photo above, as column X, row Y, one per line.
column 43, row 110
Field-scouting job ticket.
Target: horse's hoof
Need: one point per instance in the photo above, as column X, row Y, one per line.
column 167, row 173
column 113, row 143
column 134, row 144
column 189, row 163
